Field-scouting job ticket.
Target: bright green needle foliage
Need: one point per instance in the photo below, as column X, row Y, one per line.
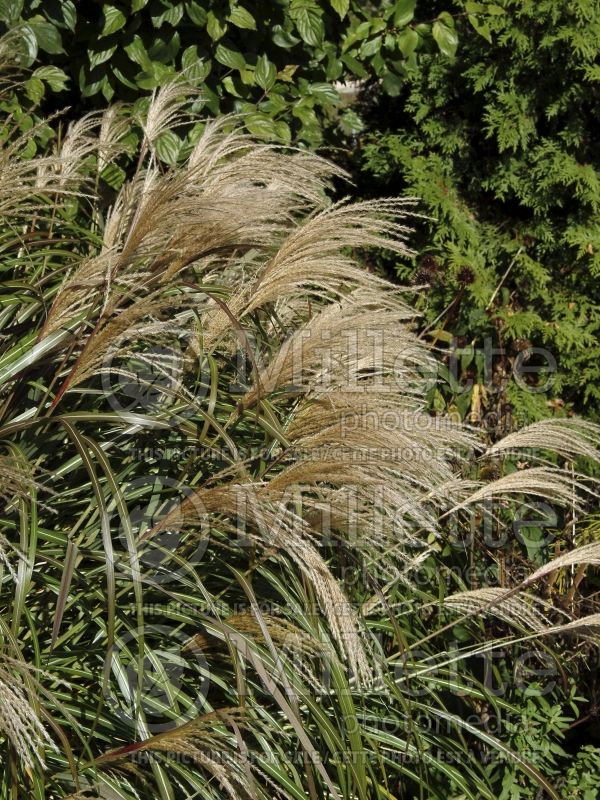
column 220, row 484
column 501, row 143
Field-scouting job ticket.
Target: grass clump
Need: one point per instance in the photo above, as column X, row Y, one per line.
column 221, row 484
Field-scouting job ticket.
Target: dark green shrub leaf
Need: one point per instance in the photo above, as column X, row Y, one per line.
column 265, row 73
column 114, row 20
column 242, row 18
column 334, row 69
column 152, row 78
column 282, row 38
column 287, row 73
column 196, row 13
column 309, row 25
column 34, row 89
column 392, row 84
column 121, row 77
column 62, row 12
column 261, row 125
column 354, row 64
column 172, row 16
column 10, row 10
column 229, row 57
column 446, row 38
column 30, row 149
column 282, row 129
column 481, row 27
column 341, row 6
column 351, row 123
column 137, row 53
column 215, row 27
column 357, row 35
column 26, row 44
column 165, row 50
column 407, row 41
column 371, row 47
column 100, row 56
column 230, row 86
column 107, row 89
column 196, row 68
column 90, row 86
column 474, row 8
column 48, row 37
column 404, row 12
column 324, row 93
column 55, row 78
column 168, row 147
column 114, row 176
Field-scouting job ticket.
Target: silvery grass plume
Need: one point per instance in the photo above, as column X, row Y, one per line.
column 220, row 308
column 19, row 720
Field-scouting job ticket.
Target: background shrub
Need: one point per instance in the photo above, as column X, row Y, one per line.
column 501, row 143
column 273, row 61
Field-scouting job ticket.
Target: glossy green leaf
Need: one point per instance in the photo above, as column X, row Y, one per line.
column 47, row 35
column 196, row 68
column 371, row 47
column 155, row 76
column 341, row 6
column 113, row 176
column 97, row 57
column 261, row 125
column 62, row 12
column 474, row 8
column 34, row 89
column 309, row 25
column 230, row 86
column 482, row 28
column 216, row 27
column 354, row 65
column 282, row 129
column 229, row 57
column 404, row 12
column 242, row 18
column 168, row 147
column 171, row 15
column 407, row 41
column 196, row 13
column 26, row 45
column 10, row 10
column 164, row 48
column 265, row 73
column 56, row 78
column 283, row 38
column 137, row 53
column 114, row 20
column 446, row 38
column 351, row 123
column 324, row 93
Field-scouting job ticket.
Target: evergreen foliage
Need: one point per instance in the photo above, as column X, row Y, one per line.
column 501, row 142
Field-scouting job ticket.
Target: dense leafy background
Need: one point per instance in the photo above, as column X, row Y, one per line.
column 274, row 61
column 501, row 143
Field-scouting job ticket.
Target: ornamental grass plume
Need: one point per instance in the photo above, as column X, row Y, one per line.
column 222, row 410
